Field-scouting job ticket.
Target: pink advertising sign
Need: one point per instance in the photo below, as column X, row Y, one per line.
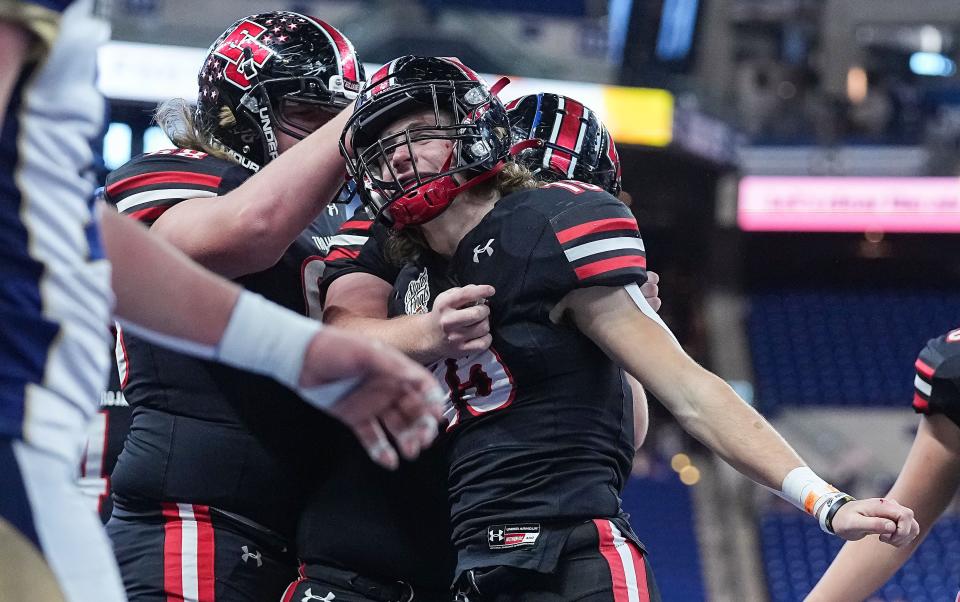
column 848, row 204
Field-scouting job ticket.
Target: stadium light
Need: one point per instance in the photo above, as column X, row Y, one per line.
column 932, row 64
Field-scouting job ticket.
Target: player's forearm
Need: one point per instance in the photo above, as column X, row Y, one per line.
column 248, row 229
column 703, row 403
column 283, row 198
column 927, row 484
column 410, row 334
column 14, row 44
column 715, row 415
column 860, row 569
column 160, row 289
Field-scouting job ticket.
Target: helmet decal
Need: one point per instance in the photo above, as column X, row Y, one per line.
column 244, row 54
column 273, row 72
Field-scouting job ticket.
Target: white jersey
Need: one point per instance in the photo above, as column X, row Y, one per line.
column 55, row 299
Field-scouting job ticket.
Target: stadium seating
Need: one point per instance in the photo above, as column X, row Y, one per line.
column 796, row 553
column 843, row 348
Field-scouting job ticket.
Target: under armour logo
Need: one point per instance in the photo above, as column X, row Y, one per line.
column 496, row 535
column 485, row 249
column 247, row 555
column 308, row 595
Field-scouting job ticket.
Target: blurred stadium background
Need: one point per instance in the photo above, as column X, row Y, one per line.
column 794, row 169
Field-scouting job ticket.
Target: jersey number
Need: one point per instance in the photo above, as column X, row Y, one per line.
column 478, row 384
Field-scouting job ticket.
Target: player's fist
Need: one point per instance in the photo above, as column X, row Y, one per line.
column 461, row 320
column 373, row 389
column 876, row 516
column 651, row 290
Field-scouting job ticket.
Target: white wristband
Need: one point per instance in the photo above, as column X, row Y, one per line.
column 805, row 490
column 266, row 338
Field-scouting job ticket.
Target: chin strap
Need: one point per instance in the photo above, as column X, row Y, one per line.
column 430, row 200
column 499, row 85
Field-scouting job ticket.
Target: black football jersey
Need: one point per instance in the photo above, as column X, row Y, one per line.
column 937, row 383
column 541, row 423
column 202, row 432
column 369, row 258
column 405, row 511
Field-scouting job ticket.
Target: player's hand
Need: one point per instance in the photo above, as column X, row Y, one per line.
column 385, row 392
column 461, row 320
column 650, row 290
column 876, row 516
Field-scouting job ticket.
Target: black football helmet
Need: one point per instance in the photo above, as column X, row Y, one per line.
column 273, row 71
column 465, row 111
column 574, row 144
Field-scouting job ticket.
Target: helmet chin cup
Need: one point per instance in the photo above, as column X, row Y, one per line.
column 433, row 198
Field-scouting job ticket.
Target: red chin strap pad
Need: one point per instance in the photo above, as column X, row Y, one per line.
column 430, row 200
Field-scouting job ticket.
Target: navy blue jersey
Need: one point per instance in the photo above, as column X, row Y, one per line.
column 937, row 383
column 541, row 423
column 202, row 432
column 55, row 298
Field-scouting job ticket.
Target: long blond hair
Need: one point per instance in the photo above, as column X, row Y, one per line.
column 176, row 118
column 407, row 244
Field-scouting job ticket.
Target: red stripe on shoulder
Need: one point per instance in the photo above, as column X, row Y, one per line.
column 608, row 265
column 149, row 214
column 355, row 225
column 341, row 253
column 923, row 368
column 920, row 404
column 596, row 226
column 162, row 177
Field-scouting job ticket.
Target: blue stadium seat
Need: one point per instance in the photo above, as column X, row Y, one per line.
column 843, row 348
column 796, row 553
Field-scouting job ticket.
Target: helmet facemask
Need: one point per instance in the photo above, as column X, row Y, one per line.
column 453, row 112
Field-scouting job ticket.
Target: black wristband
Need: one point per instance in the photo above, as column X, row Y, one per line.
column 832, row 511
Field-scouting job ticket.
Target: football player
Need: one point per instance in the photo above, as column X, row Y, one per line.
column 406, row 511
column 927, row 482
column 209, row 484
column 56, row 300
column 541, row 437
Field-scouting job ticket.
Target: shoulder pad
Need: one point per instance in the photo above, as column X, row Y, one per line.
column 937, row 365
column 150, row 183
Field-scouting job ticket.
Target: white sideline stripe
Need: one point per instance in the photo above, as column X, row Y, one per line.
column 188, row 553
column 630, row 571
column 156, row 195
column 922, row 386
column 602, row 246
